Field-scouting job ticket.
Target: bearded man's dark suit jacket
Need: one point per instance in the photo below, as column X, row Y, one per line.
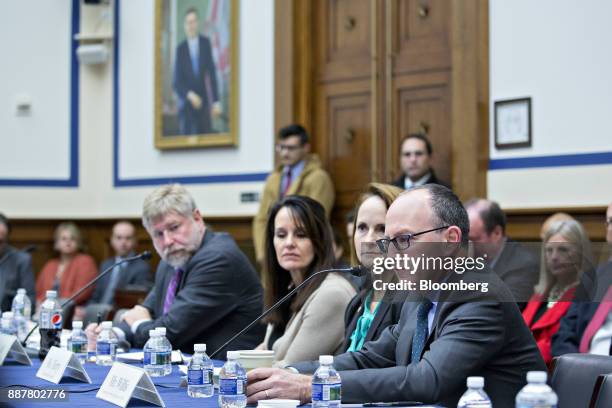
column 203, row 83
column 469, row 337
column 218, row 295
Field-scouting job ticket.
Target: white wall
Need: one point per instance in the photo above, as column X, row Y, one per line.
column 96, row 195
column 557, row 53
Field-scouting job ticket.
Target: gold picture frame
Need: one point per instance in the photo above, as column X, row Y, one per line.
column 195, row 107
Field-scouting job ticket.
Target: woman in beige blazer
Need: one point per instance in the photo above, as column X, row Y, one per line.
column 299, row 243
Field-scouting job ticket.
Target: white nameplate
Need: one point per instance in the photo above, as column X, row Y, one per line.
column 10, row 345
column 61, row 363
column 125, row 382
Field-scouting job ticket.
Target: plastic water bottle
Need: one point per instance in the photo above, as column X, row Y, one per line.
column 153, row 360
column 22, row 312
column 165, row 351
column 475, row 397
column 536, row 393
column 8, row 324
column 232, row 383
column 106, row 345
column 77, row 343
column 326, row 385
column 50, row 323
column 200, row 374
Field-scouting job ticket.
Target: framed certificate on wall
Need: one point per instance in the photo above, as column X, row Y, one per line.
column 513, row 123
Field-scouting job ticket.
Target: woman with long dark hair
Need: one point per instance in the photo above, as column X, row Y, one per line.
column 298, row 244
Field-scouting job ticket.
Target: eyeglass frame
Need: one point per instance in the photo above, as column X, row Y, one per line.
column 385, row 243
column 290, row 148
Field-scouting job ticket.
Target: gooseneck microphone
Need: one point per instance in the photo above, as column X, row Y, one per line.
column 144, row 256
column 355, row 271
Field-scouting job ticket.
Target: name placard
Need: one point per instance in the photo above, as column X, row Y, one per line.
column 10, row 345
column 61, row 363
column 125, row 382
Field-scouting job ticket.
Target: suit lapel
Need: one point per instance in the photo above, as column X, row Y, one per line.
column 383, row 308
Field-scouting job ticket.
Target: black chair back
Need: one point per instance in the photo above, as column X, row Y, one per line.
column 574, row 377
column 602, row 394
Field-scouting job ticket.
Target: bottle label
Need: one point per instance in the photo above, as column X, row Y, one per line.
column 195, row 377
column 56, row 320
column 78, row 347
column 105, row 349
column 157, row 358
column 326, row 392
column 231, row 386
column 535, row 406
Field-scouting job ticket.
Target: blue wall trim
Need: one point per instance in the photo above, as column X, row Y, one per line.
column 73, row 179
column 583, row 159
column 155, row 181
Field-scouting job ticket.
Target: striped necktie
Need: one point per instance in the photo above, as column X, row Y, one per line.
column 171, row 292
column 421, row 332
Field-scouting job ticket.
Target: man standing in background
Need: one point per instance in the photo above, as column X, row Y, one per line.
column 195, row 80
column 299, row 173
column 415, row 161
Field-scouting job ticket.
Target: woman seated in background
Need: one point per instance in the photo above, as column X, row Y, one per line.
column 369, row 314
column 71, row 271
column 566, row 254
column 298, row 244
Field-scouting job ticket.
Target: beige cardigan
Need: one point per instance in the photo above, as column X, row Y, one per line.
column 318, row 327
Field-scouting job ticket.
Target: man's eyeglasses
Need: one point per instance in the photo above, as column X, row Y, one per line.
column 289, row 148
column 402, row 242
column 608, row 221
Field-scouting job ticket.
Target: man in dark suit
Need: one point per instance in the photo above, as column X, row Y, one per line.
column 15, row 269
column 195, row 80
column 135, row 273
column 415, row 160
column 437, row 344
column 513, row 263
column 205, row 288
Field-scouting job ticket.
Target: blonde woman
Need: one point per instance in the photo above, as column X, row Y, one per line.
column 566, row 254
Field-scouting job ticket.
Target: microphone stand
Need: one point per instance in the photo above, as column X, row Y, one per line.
column 145, row 255
column 356, row 271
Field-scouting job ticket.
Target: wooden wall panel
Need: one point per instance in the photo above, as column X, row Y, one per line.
column 96, row 234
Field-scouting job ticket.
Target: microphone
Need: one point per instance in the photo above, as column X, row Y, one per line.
column 144, row 256
column 355, row 271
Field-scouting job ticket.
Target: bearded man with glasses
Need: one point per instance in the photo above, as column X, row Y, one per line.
column 440, row 340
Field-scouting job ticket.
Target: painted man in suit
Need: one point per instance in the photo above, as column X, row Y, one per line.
column 15, row 269
column 415, row 161
column 512, row 262
column 135, row 273
column 195, row 80
column 205, row 288
column 437, row 344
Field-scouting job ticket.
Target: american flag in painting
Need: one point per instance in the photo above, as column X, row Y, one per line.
column 218, row 22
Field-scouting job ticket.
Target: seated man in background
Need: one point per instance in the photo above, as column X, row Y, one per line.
column 437, row 344
column 205, row 288
column 587, row 325
column 15, row 269
column 512, row 262
column 135, row 274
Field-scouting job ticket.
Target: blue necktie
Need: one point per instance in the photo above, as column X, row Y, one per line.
column 109, row 295
column 421, row 332
column 194, row 61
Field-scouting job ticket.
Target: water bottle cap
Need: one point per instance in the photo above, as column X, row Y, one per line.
column 51, row 294
column 7, row 315
column 327, row 360
column 475, row 382
column 233, row 355
column 77, row 324
column 21, row 291
column 199, row 348
column 536, row 376
column 161, row 331
column 152, row 333
column 107, row 325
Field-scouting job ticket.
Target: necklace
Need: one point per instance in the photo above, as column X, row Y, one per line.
column 556, row 292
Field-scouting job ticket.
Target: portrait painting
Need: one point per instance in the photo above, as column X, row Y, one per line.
column 196, row 73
